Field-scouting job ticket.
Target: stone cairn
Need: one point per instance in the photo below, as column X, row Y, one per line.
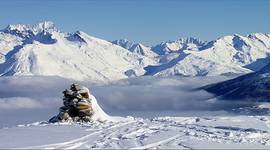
column 77, row 105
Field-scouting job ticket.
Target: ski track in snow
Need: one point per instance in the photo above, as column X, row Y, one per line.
column 174, row 132
column 152, row 145
column 75, row 143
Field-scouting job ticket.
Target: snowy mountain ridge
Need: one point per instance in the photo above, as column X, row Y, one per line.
column 189, row 43
column 43, row 26
column 42, row 49
column 226, row 55
column 136, row 48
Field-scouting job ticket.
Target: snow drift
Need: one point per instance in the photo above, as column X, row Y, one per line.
column 99, row 114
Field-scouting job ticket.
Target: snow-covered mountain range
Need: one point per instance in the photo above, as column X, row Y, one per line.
column 42, row 49
column 234, row 54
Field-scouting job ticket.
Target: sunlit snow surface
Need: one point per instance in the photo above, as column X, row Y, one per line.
column 162, row 132
column 166, row 113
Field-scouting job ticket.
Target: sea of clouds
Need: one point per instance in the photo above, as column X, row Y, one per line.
column 28, row 99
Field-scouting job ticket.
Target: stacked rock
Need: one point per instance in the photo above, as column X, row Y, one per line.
column 77, row 105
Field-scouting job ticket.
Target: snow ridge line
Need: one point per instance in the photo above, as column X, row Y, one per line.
column 62, row 144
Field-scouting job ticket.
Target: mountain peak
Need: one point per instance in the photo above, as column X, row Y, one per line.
column 124, row 43
column 42, row 26
column 46, row 25
column 193, row 40
column 136, row 48
column 188, row 43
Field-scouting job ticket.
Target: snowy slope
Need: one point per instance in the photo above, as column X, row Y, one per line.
column 43, row 50
column 225, row 132
column 249, row 87
column 99, row 114
column 189, row 64
column 238, row 50
column 226, row 55
column 7, row 42
column 136, row 48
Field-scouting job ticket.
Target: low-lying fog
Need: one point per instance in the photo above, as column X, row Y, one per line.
column 28, row 99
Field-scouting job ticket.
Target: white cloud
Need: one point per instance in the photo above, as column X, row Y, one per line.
column 19, row 102
column 144, row 93
column 26, row 99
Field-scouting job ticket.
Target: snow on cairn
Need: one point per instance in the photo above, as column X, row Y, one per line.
column 79, row 106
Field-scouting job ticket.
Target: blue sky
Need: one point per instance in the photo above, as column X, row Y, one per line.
column 146, row 21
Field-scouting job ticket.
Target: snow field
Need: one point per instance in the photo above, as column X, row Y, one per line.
column 247, row 132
